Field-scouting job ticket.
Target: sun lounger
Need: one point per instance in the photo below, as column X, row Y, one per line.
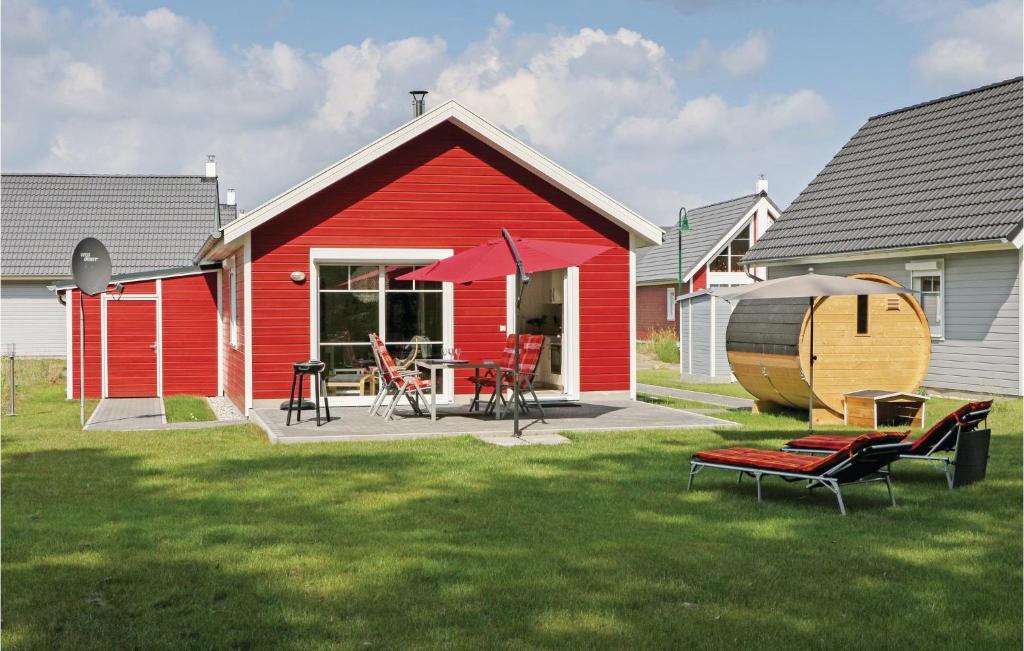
column 937, row 445
column 863, row 459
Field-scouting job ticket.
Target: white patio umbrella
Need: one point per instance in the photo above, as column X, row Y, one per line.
column 810, row 286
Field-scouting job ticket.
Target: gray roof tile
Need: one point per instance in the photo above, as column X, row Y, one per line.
column 708, row 225
column 146, row 222
column 943, row 172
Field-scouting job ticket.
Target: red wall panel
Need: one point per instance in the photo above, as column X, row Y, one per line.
column 445, row 189
column 93, row 343
column 190, row 334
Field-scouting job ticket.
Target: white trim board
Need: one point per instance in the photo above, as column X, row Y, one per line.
column 247, row 311
column 460, row 116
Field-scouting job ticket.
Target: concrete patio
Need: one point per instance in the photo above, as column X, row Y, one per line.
column 355, row 424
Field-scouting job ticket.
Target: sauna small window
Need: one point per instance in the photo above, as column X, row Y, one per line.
column 862, row 314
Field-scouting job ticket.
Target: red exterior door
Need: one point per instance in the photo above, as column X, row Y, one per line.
column 131, row 349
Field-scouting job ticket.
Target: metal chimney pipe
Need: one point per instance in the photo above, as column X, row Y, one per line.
column 211, row 167
column 418, row 103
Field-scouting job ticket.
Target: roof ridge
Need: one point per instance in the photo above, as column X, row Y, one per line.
column 946, row 98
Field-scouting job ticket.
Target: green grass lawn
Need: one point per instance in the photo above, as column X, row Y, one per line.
column 214, row 538
column 187, row 409
column 669, row 377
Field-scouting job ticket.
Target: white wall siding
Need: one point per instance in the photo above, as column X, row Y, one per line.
column 980, row 350
column 723, row 310
column 31, row 319
column 701, row 343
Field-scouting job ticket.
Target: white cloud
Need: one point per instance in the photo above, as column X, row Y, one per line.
column 156, row 92
column 977, row 45
column 742, row 60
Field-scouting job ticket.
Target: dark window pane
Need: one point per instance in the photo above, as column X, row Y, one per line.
column 428, row 284
column 349, row 370
column 334, row 277
column 740, row 246
column 407, row 354
column 348, row 317
column 364, row 277
column 392, row 272
column 862, row 314
column 736, row 266
column 413, row 314
column 721, row 263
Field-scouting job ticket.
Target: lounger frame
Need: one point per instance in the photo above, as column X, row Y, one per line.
column 829, row 479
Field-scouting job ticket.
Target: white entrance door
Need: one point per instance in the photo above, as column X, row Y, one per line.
column 551, row 306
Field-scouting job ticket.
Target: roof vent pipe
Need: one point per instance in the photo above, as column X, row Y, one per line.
column 230, row 198
column 762, row 185
column 418, row 103
column 211, row 166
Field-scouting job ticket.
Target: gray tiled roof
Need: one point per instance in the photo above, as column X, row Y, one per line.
column 146, row 222
column 708, row 225
column 228, row 213
column 943, row 172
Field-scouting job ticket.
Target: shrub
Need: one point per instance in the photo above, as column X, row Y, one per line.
column 663, row 345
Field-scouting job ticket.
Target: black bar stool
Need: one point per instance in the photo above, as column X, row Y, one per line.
column 315, row 368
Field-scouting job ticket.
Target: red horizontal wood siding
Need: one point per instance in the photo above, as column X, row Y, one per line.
column 445, row 189
column 189, row 321
column 234, row 356
column 93, row 344
column 189, row 338
column 131, row 361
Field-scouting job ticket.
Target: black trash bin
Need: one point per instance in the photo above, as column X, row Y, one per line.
column 971, row 457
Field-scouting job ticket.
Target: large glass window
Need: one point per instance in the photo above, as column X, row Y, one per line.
column 728, row 260
column 357, row 300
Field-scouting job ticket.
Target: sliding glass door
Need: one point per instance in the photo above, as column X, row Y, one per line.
column 356, row 300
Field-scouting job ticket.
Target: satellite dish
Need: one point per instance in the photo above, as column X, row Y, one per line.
column 90, row 266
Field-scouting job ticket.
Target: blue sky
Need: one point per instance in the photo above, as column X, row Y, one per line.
column 658, row 102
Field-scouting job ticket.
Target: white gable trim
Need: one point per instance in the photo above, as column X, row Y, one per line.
column 744, row 221
column 471, row 123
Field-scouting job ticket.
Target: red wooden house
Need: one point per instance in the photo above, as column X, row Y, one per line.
column 312, row 271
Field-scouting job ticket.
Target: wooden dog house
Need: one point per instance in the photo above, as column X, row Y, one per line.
column 860, row 342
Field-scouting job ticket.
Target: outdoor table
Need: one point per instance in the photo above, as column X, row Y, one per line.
column 433, row 365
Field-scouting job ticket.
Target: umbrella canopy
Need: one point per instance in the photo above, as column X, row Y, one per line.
column 808, row 286
column 495, row 258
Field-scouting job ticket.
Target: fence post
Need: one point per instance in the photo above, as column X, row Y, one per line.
column 10, row 380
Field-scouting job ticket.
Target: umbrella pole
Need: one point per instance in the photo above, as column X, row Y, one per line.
column 515, row 371
column 810, row 400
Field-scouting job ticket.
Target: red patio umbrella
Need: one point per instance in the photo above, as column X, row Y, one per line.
column 503, row 257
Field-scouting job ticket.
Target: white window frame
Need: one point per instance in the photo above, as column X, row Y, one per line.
column 355, row 256
column 931, row 269
column 233, row 303
column 727, row 251
column 670, row 303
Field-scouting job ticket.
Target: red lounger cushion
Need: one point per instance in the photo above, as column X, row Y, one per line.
column 798, row 463
column 821, row 442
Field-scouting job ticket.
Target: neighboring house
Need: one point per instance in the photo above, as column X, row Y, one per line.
column 929, row 196
column 146, row 223
column 313, row 271
column 718, row 236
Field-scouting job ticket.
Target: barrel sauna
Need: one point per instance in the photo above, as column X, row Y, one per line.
column 768, row 345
